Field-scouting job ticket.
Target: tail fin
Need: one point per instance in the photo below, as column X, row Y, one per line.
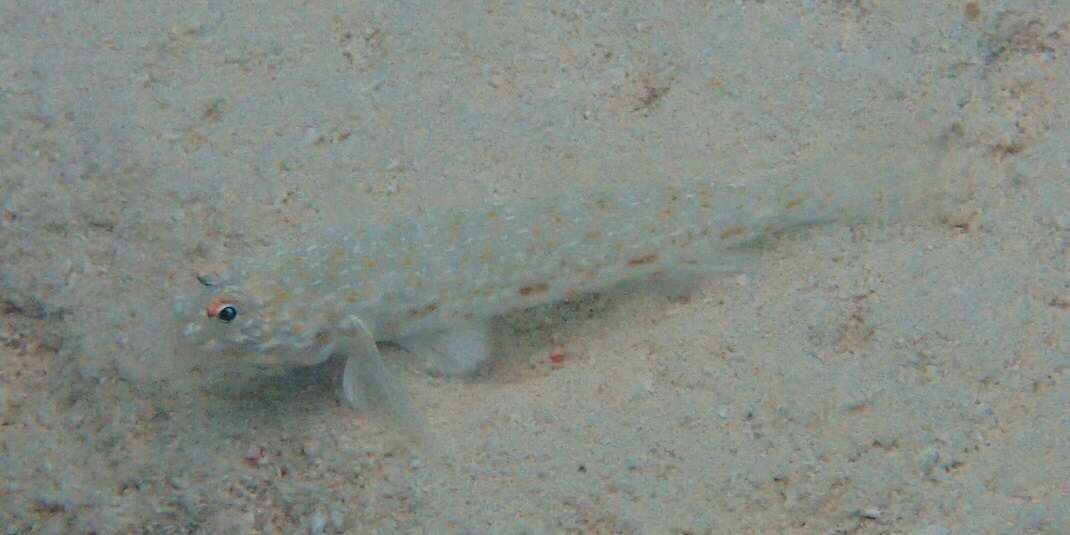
column 875, row 183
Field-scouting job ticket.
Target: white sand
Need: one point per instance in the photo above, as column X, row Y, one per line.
column 909, row 378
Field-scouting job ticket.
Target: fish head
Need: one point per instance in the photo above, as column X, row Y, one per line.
column 253, row 320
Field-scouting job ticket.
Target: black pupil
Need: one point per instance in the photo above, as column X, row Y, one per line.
column 228, row 313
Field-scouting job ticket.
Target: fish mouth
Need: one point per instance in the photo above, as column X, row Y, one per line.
column 183, row 312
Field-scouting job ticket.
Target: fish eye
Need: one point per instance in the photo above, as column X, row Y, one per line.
column 227, row 313
column 223, row 310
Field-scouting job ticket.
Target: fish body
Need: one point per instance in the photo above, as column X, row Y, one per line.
column 431, row 281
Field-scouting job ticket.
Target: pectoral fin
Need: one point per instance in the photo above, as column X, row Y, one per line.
column 368, row 384
column 456, row 352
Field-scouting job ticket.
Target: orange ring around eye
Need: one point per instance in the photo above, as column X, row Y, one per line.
column 215, row 306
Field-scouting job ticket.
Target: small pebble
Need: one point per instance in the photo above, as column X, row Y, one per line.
column 74, row 420
column 257, row 456
column 311, row 448
column 317, row 523
column 338, row 520
column 1062, row 222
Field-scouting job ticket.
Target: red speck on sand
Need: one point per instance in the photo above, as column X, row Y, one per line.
column 557, row 356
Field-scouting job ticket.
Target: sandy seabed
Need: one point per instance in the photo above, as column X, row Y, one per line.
column 905, row 377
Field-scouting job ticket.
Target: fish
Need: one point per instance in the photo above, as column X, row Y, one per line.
column 431, row 282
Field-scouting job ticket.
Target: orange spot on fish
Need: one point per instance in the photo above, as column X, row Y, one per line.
column 423, row 311
column 557, row 356
column 732, row 232
column 645, row 259
column 534, row 289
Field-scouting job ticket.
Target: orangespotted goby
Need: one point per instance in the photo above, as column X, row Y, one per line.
column 431, row 282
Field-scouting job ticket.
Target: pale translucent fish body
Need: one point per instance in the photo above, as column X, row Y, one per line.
column 432, row 280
